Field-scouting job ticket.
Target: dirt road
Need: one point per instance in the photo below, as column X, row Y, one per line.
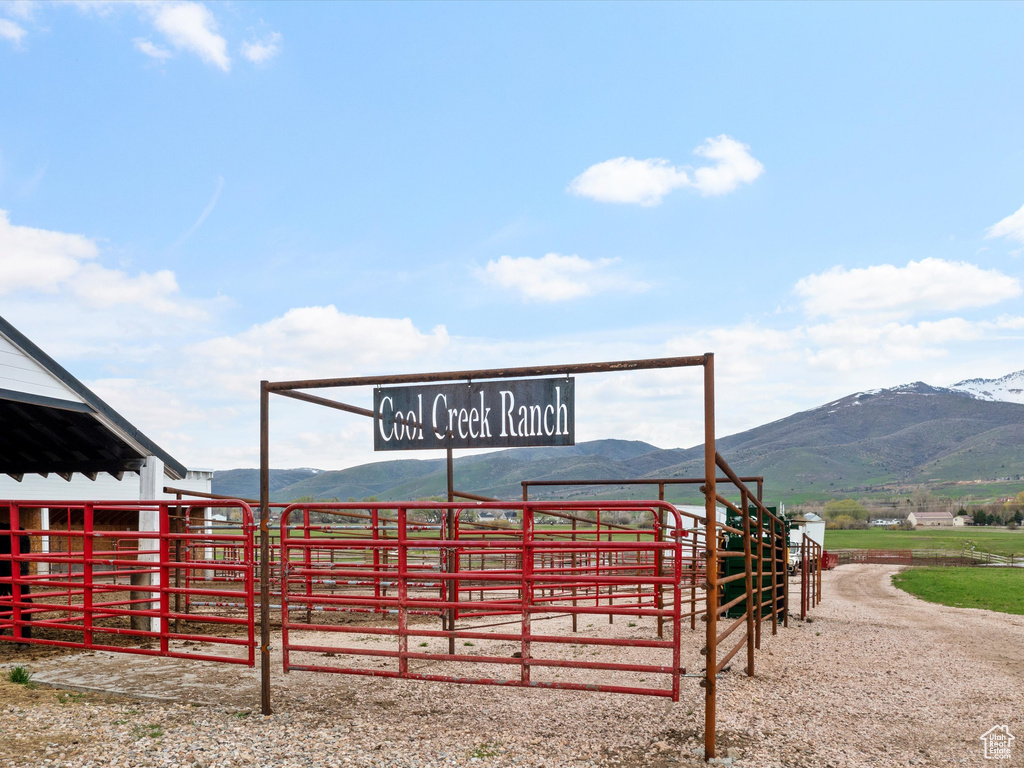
column 877, row 678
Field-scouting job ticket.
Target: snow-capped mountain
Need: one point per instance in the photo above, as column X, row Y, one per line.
column 1009, row 388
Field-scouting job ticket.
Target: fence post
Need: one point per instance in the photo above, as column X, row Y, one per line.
column 749, row 584
column 711, row 537
column 760, row 575
column 803, row 578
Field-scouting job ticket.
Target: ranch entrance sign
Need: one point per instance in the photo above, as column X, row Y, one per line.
column 485, row 414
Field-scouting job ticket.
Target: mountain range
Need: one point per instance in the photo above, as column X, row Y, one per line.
column 869, row 442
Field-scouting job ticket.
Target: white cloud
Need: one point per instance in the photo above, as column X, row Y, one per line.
column 847, row 346
column 39, row 258
column 646, row 182
column 317, row 341
column 733, row 165
column 262, row 51
column 101, row 288
column 930, row 285
column 183, row 25
column 628, row 180
column 65, row 264
column 22, row 9
column 152, row 50
column 1012, row 227
column 192, row 27
column 9, row 30
column 554, row 277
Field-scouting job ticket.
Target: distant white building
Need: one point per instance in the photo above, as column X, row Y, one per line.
column 962, row 520
column 809, row 524
column 930, row 519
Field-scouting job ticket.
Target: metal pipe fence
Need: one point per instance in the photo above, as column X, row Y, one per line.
column 414, row 590
column 405, row 577
column 95, row 581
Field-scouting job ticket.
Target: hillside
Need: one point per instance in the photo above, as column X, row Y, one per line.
column 905, row 435
column 862, row 443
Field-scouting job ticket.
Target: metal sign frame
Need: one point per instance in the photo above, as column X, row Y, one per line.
column 293, row 389
column 520, row 413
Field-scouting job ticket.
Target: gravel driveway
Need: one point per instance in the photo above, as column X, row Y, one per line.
column 878, row 678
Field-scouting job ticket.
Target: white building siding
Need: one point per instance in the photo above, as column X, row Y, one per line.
column 20, row 373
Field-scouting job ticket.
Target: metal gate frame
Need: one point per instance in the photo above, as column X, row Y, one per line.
column 535, row 568
column 82, row 586
column 290, row 389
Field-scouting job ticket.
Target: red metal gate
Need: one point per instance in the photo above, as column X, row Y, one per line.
column 373, row 577
column 93, row 580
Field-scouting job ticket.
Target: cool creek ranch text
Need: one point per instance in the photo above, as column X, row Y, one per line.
column 488, row 414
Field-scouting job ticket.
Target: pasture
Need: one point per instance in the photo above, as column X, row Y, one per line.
column 999, row 541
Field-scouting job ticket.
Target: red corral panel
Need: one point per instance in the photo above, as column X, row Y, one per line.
column 91, row 579
column 420, row 591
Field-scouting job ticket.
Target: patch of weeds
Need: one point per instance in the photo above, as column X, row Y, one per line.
column 242, row 715
column 631, row 624
column 20, row 675
column 70, row 698
column 154, row 731
column 818, row 634
column 468, row 643
column 486, row 750
column 424, row 645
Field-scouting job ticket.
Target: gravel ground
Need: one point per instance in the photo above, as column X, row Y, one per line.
column 878, row 678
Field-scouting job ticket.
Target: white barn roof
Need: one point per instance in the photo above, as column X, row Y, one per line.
column 52, row 423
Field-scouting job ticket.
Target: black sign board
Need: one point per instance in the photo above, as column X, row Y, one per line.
column 487, row 414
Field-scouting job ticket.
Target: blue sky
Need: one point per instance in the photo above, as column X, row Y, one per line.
column 830, row 197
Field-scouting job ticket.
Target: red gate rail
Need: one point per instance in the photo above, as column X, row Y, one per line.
column 402, row 574
column 94, row 576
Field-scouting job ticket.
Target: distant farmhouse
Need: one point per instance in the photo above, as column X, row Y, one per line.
column 930, row 519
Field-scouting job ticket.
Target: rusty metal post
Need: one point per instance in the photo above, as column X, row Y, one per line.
column 784, row 555
column 265, row 549
column 748, row 565
column 774, row 574
column 803, row 578
column 711, row 537
column 760, row 573
column 821, row 568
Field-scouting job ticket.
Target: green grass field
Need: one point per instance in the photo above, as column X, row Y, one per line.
column 996, row 540
column 995, row 589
